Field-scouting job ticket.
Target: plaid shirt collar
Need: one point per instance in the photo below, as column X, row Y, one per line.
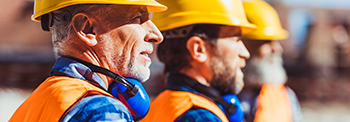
column 68, row 67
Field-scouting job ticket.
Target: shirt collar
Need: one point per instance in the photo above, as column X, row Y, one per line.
column 174, row 80
column 75, row 69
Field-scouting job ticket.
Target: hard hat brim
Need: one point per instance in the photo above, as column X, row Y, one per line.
column 152, row 6
column 201, row 18
column 280, row 34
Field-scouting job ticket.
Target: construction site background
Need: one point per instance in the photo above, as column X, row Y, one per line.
column 316, row 56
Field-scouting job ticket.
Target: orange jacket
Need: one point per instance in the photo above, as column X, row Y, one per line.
column 51, row 100
column 169, row 105
column 273, row 104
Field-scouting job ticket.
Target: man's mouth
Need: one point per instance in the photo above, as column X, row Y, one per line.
column 145, row 55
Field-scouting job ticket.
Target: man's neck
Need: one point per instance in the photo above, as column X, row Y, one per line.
column 93, row 59
column 195, row 75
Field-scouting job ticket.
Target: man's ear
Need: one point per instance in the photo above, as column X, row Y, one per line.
column 197, row 49
column 84, row 29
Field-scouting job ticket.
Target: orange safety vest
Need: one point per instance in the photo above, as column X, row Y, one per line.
column 53, row 98
column 169, row 105
column 273, row 104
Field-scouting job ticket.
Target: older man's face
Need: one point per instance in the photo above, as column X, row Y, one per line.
column 127, row 40
column 266, row 64
column 228, row 59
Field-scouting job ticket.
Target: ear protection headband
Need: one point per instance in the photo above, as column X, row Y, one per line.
column 233, row 108
column 128, row 90
column 46, row 21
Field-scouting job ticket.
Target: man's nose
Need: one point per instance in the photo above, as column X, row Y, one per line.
column 276, row 47
column 153, row 35
column 244, row 53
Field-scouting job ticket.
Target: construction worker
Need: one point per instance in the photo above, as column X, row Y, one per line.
column 265, row 97
column 203, row 55
column 102, row 49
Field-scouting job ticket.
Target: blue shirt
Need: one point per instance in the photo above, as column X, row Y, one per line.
column 96, row 108
column 194, row 114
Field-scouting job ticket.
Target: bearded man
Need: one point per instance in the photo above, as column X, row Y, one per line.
column 98, row 44
column 265, row 97
column 203, row 55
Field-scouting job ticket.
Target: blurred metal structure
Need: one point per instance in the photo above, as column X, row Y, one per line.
column 317, row 54
column 26, row 54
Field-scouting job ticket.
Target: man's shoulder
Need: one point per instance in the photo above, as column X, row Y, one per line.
column 198, row 115
column 98, row 108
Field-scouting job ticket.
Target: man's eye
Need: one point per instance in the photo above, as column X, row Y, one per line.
column 239, row 39
column 136, row 20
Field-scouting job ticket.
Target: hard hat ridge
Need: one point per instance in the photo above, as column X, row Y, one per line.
column 265, row 17
column 183, row 12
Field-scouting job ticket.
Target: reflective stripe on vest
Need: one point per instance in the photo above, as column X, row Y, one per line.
column 50, row 101
column 273, row 104
column 169, row 105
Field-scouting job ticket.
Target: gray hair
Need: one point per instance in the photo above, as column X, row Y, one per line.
column 62, row 28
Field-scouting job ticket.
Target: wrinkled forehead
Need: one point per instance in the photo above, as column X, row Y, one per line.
column 114, row 16
column 121, row 11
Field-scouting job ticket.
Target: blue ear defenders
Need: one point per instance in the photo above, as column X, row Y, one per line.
column 232, row 106
column 129, row 91
column 238, row 114
column 137, row 104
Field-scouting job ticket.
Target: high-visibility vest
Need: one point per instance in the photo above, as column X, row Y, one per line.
column 51, row 101
column 169, row 105
column 273, row 104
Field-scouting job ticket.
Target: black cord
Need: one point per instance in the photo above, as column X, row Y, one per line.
column 132, row 89
column 208, row 91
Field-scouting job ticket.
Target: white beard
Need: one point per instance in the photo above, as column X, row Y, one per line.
column 266, row 70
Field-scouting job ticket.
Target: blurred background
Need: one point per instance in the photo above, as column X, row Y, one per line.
column 316, row 56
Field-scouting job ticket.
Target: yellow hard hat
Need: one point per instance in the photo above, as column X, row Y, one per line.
column 186, row 12
column 42, row 7
column 266, row 19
